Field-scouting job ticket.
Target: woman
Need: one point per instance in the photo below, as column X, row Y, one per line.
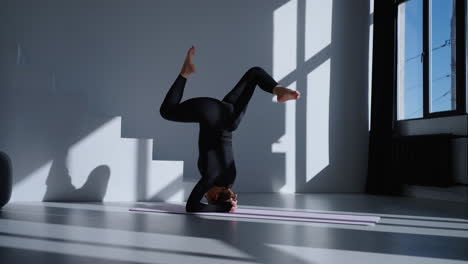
column 217, row 120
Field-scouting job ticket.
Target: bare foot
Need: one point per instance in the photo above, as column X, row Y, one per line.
column 188, row 67
column 284, row 94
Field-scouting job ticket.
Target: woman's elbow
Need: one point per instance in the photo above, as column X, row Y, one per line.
column 189, row 208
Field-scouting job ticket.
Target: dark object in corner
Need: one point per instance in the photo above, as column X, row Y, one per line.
column 423, row 160
column 5, row 179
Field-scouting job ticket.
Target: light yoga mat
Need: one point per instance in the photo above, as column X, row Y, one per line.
column 298, row 216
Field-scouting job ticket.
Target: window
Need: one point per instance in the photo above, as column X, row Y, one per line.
column 427, row 51
column 443, row 56
column 410, row 60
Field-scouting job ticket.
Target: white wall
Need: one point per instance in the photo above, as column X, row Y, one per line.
column 332, row 123
column 82, row 82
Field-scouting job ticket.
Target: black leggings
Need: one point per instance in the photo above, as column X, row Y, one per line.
column 217, row 120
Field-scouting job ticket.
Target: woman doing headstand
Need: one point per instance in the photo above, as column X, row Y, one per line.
column 217, row 119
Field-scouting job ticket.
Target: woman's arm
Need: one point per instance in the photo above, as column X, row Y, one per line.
column 194, row 204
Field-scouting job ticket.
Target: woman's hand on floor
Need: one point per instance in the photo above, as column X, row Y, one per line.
column 233, row 203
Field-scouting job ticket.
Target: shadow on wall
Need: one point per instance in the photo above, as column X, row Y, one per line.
column 333, row 120
column 69, row 68
column 60, row 187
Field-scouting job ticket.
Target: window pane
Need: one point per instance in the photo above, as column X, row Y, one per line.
column 410, row 66
column 443, row 56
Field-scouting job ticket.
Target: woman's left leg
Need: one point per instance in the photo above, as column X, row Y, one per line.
column 242, row 92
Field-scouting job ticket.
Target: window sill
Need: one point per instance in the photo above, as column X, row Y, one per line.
column 453, row 124
column 433, row 116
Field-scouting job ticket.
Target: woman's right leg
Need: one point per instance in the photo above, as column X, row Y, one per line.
column 204, row 110
column 171, row 108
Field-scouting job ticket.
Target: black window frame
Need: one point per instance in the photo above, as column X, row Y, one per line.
column 461, row 88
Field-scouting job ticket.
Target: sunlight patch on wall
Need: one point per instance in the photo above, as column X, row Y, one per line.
column 317, row 127
column 284, row 39
column 32, row 187
column 102, row 166
column 178, row 196
column 104, row 146
column 285, row 62
column 369, row 71
column 318, row 28
column 287, row 144
column 166, row 184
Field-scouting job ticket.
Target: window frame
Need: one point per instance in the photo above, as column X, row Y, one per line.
column 461, row 88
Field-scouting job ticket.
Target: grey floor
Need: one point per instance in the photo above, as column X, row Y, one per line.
column 411, row 231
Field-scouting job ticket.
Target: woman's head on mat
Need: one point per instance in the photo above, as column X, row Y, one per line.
column 219, row 194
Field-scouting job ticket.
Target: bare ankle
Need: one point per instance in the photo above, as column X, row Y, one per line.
column 276, row 90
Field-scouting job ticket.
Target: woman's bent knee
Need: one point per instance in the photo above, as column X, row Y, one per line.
column 165, row 113
column 255, row 69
